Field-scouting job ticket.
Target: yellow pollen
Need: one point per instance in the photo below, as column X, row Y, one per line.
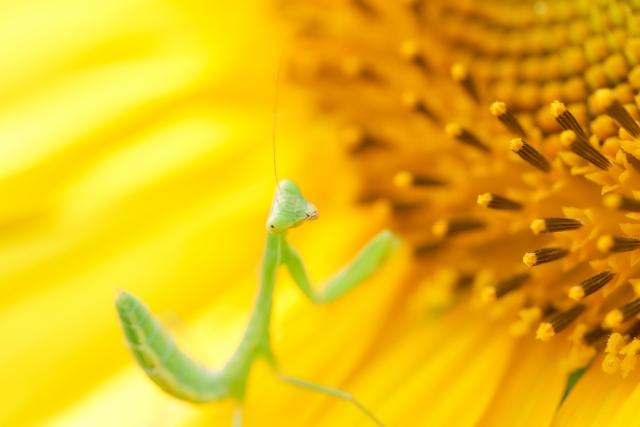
column 498, row 108
column 410, row 99
column 351, row 67
column 459, row 72
column 538, row 226
column 453, row 130
column 484, row 199
column 576, row 293
column 605, row 243
column 630, row 351
column 440, row 228
column 604, row 98
column 351, row 136
column 530, row 259
column 403, row 179
column 568, row 137
column 516, row 144
column 382, row 208
column 545, row 332
column 488, row 294
column 527, row 317
column 613, row 319
column 610, row 364
column 409, row 49
column 557, row 108
column 612, row 201
column 615, row 343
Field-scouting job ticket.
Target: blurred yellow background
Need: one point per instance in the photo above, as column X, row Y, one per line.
column 135, row 153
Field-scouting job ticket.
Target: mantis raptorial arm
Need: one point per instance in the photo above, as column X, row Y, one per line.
column 370, row 258
column 179, row 375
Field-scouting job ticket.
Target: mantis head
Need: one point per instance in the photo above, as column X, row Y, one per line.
column 289, row 209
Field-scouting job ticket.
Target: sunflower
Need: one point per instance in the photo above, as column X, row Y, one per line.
column 498, row 138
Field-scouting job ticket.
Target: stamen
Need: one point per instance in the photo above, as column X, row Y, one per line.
column 595, row 335
column 543, row 256
column 500, row 110
column 582, row 148
column 591, row 285
column 633, row 331
column 428, row 248
column 607, row 101
column 491, row 293
column 493, row 201
column 414, row 103
column 555, row 225
column 620, row 315
column 410, row 51
column 631, row 159
column 446, row 228
column 529, row 316
column 404, row 179
column 616, row 201
column 460, row 74
column 354, row 68
column 558, row 323
column 355, row 139
column 610, row 243
column 456, row 131
column 565, row 119
column 529, row 154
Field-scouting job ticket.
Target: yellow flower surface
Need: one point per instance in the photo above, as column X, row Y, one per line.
column 499, row 139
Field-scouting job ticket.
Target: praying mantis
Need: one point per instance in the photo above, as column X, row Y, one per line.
column 182, row 377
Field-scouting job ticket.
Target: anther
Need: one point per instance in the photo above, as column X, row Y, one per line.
column 529, row 154
column 428, row 248
column 414, row 103
column 595, row 335
column 607, row 101
column 410, row 51
column 558, row 323
column 565, row 119
column 582, row 148
column 456, row 131
column 543, row 256
column 493, row 201
column 355, row 139
column 633, row 330
column 449, row 228
column 491, row 293
column 610, row 243
column 500, row 110
column 555, row 225
column 460, row 74
column 405, row 179
column 354, row 68
column 616, row 201
column 590, row 285
column 620, row 315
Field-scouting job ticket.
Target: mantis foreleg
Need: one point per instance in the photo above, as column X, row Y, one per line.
column 368, row 260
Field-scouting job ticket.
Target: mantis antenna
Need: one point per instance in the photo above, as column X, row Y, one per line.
column 275, row 120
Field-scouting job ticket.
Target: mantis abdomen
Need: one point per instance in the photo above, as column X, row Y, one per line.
column 160, row 358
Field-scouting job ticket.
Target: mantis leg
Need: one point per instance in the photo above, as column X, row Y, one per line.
column 368, row 260
column 330, row 391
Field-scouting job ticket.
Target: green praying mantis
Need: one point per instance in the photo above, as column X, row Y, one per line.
column 182, row 377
